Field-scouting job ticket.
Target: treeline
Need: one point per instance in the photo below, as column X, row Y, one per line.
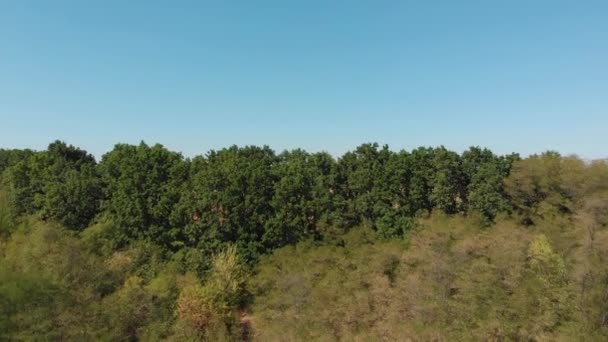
column 247, row 244
column 250, row 195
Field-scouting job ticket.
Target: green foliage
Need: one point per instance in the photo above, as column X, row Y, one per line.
column 74, row 200
column 24, row 182
column 484, row 174
column 60, row 184
column 421, row 182
column 486, row 194
column 230, row 200
column 547, row 184
column 376, row 187
column 249, row 196
column 25, row 305
column 142, row 187
column 447, row 181
column 51, row 284
column 7, row 219
column 11, row 157
column 294, row 215
column 363, row 171
column 244, row 244
column 535, row 186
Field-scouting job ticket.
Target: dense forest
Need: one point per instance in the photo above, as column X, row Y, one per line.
column 247, row 244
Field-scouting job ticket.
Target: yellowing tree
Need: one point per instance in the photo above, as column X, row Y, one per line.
column 213, row 305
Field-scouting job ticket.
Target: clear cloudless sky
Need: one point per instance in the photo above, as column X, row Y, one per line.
column 522, row 76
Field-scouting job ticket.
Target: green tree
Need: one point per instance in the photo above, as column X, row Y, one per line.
column 363, row 177
column 74, row 199
column 60, row 184
column 24, row 184
column 535, row 186
column 11, row 157
column 230, row 200
column 421, row 181
column 142, row 187
column 447, row 191
column 483, row 174
column 294, row 217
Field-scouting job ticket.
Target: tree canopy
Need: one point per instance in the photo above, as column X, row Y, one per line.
column 244, row 243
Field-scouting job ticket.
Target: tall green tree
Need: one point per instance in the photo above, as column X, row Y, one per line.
column 60, row 184
column 363, row 174
column 448, row 191
column 484, row 173
column 230, row 200
column 421, row 180
column 375, row 185
column 294, row 216
column 142, row 187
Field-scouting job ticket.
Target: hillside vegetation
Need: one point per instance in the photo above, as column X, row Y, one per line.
column 246, row 244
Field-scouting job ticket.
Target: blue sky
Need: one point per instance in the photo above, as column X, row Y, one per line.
column 522, row 76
